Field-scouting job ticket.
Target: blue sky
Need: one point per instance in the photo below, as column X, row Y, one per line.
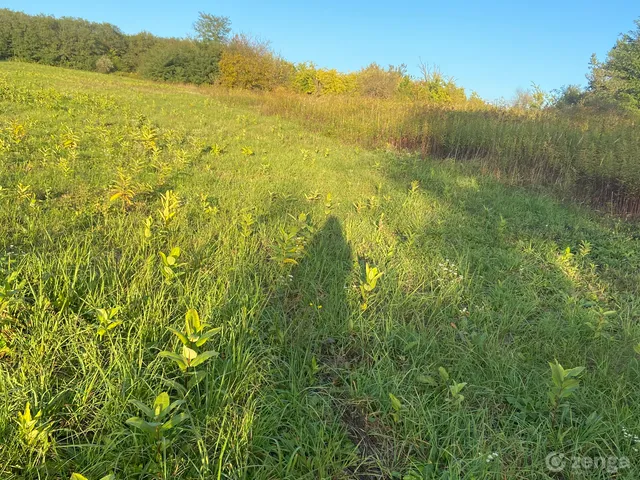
column 490, row 47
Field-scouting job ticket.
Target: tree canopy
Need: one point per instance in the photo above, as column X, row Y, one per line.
column 618, row 77
column 212, row 28
column 211, row 55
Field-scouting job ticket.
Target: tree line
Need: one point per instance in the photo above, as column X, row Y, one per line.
column 212, row 55
column 613, row 84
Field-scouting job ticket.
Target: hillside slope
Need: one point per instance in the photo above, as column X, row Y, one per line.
column 321, row 370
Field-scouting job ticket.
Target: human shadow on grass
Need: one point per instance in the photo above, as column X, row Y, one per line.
column 317, row 302
column 311, row 315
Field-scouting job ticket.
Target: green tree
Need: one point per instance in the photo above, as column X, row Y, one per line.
column 568, row 96
column 176, row 60
column 212, row 28
column 618, row 77
column 138, row 46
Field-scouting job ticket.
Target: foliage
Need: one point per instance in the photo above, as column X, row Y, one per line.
column 79, row 476
column 159, row 424
column 309, row 79
column 618, row 77
column 568, row 96
column 183, row 61
column 156, row 424
column 194, row 336
column 65, row 41
column 249, row 63
column 170, row 267
column 374, row 81
column 291, row 244
column 122, row 189
column 434, row 87
column 211, row 28
column 170, row 205
column 32, row 431
column 368, row 284
column 138, row 46
column 10, row 293
column 104, row 65
column 564, row 383
column 107, row 320
column 533, row 99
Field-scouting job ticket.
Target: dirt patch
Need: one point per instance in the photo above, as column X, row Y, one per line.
column 371, row 446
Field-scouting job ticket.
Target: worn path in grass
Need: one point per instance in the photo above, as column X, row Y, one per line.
column 488, row 281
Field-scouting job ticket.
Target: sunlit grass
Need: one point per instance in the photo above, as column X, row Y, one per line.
column 587, row 156
column 144, row 198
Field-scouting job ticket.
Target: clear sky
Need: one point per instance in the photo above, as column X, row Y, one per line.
column 492, row 47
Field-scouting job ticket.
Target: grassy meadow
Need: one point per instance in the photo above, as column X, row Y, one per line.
column 586, row 156
column 191, row 289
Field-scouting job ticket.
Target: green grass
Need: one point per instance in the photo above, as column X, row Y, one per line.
column 586, row 156
column 489, row 281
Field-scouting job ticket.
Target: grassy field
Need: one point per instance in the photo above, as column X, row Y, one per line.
column 369, row 313
column 586, row 157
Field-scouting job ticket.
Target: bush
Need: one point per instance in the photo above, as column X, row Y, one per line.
column 305, row 79
column 568, row 96
column 104, row 65
column 247, row 63
column 375, row 81
column 435, row 88
column 181, row 61
column 311, row 80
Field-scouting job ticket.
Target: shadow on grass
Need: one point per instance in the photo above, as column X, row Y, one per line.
column 525, row 288
column 308, row 425
column 317, row 305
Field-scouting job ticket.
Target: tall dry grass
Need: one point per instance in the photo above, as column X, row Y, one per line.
column 593, row 158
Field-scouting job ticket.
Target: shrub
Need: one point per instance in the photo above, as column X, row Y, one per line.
column 104, row 65
column 375, row 81
column 311, row 80
column 305, row 79
column 248, row 63
column 569, row 96
column 181, row 61
column 434, row 87
column 68, row 42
